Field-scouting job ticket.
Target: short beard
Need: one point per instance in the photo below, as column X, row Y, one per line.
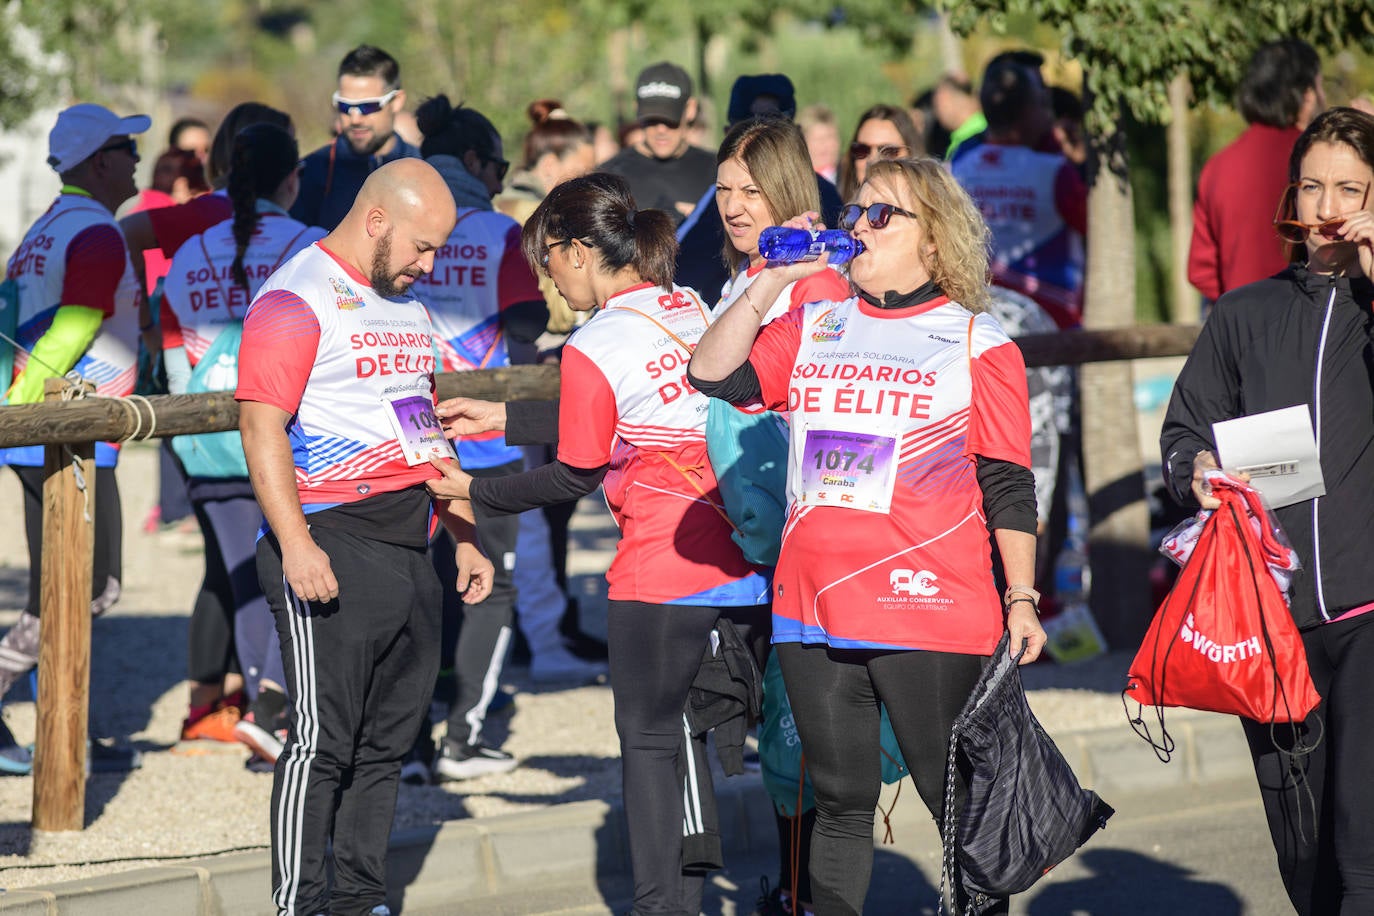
column 384, row 283
column 371, row 147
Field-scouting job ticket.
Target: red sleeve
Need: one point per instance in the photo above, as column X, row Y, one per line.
column 1204, row 255
column 96, row 261
column 773, row 354
column 826, row 286
column 281, row 336
column 171, row 327
column 999, row 423
column 1071, row 197
column 516, row 282
column 174, row 225
column 587, row 417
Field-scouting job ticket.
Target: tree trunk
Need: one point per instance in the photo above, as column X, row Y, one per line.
column 1186, row 307
column 1119, row 520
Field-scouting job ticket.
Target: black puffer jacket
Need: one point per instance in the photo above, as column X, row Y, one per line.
column 1296, row 338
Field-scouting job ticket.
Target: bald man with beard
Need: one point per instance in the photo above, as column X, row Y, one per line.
column 336, row 392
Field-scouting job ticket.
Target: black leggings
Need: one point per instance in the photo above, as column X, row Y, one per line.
column 835, row 694
column 655, row 651
column 1319, row 805
column 109, row 532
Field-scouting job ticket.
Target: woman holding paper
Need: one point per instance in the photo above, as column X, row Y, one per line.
column 1305, row 337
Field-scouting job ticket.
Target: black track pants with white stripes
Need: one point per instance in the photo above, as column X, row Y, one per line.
column 359, row 671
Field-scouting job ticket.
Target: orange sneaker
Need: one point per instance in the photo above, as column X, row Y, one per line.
column 216, row 726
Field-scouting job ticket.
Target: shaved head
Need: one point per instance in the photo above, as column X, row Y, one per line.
column 403, row 213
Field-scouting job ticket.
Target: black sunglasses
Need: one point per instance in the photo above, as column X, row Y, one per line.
column 878, row 215
column 128, row 144
column 859, row 150
column 502, row 167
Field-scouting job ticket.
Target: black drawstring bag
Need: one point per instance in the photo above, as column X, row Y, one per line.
column 1025, row 811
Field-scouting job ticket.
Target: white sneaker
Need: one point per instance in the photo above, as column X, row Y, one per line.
column 559, row 666
column 468, row 761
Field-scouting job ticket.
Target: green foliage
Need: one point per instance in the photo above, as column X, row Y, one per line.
column 1131, row 49
column 48, row 47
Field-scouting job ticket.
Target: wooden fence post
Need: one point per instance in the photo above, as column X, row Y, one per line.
column 64, row 642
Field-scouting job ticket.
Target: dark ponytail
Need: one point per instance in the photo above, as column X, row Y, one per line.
column 264, row 155
column 597, row 209
column 453, row 131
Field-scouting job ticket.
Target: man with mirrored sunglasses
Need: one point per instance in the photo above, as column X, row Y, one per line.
column 368, row 98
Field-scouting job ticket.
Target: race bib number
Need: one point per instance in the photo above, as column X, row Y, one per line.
column 850, row 470
column 418, row 429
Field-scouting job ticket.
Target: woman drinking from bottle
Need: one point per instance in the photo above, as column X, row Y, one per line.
column 909, row 439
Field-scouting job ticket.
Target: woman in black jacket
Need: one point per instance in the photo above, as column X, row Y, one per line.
column 1306, row 336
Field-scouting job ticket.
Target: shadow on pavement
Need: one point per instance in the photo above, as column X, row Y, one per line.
column 1130, row 884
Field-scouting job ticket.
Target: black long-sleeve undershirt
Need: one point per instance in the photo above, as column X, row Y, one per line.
column 545, row 485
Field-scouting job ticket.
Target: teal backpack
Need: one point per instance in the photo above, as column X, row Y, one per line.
column 748, row 453
column 215, row 454
column 9, row 326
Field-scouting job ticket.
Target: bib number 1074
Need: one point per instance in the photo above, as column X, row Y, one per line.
column 837, row 459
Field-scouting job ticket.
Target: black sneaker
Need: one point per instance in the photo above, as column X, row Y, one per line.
column 772, row 901
column 467, row 761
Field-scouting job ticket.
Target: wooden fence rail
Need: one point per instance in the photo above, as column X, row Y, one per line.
column 69, row 429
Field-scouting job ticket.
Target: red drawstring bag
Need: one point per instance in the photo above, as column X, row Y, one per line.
column 1224, row 640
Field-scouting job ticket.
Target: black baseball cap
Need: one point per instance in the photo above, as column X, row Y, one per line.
column 661, row 93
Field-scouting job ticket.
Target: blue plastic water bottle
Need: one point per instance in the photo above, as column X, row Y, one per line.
column 781, row 245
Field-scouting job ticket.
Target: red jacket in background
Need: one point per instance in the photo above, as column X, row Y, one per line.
column 1234, row 242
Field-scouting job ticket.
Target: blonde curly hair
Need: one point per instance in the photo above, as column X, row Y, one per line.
column 952, row 223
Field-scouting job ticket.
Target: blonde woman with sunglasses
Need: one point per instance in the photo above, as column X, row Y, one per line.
column 909, row 441
column 1306, row 337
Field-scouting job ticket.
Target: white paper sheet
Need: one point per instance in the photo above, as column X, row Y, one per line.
column 1277, row 449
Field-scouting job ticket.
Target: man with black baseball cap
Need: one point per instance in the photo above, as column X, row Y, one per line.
column 665, row 172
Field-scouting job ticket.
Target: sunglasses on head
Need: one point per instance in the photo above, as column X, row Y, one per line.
column 878, row 215
column 859, row 150
column 128, row 145
column 363, row 106
column 1296, row 232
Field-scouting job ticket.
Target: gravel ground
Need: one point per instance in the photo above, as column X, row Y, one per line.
column 197, row 798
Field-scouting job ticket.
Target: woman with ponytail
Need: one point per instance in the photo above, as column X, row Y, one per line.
column 211, row 282
column 636, row 427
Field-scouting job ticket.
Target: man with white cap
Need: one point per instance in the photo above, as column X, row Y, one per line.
column 71, row 304
column 665, row 172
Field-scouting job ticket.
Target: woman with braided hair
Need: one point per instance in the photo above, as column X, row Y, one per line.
column 211, row 282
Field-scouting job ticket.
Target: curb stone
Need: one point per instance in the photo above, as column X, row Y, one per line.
column 559, row 858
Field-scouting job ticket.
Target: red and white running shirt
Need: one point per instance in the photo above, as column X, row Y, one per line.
column 201, row 297
column 478, row 273
column 75, row 255
column 322, row 345
column 886, row 544
column 626, row 402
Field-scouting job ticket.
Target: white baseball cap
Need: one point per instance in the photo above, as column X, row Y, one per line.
column 82, row 129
